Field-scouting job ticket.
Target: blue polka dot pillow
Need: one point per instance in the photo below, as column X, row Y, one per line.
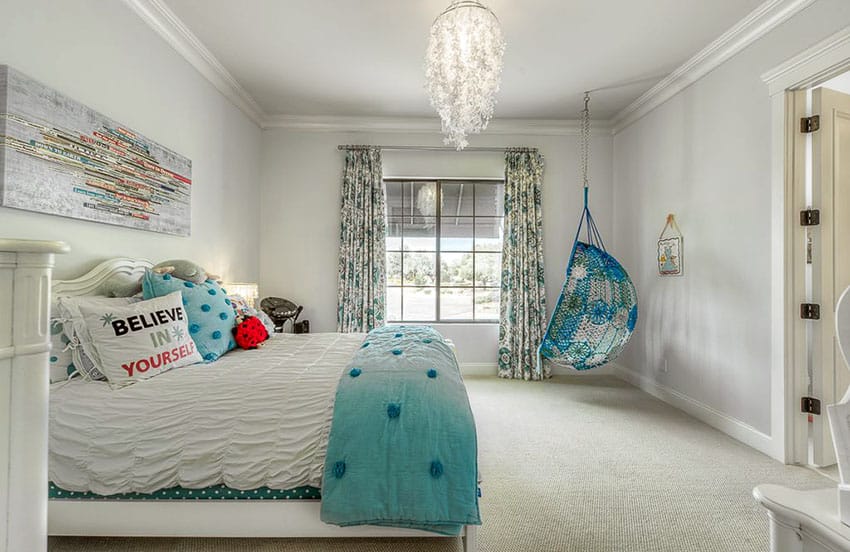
column 211, row 318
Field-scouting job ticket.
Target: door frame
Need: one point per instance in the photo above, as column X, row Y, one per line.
column 808, row 69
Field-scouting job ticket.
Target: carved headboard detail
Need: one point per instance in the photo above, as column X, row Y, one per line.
column 119, row 277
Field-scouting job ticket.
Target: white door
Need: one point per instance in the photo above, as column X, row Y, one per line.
column 830, row 163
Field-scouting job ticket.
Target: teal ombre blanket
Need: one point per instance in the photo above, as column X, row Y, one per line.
column 402, row 450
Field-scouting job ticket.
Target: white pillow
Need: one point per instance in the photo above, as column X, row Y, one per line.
column 141, row 340
column 83, row 354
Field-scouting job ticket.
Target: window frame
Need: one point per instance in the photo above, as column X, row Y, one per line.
column 437, row 287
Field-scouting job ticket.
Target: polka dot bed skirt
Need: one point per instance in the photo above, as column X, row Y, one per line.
column 218, row 492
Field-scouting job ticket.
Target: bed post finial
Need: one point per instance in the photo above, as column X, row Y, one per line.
column 470, row 538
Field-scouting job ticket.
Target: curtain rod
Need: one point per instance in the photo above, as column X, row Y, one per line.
column 433, row 148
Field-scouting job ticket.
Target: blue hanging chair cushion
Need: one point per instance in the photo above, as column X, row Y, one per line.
column 596, row 311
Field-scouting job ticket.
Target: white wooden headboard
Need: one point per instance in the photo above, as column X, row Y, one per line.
column 119, row 277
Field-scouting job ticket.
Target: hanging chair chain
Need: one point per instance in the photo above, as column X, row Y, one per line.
column 585, row 138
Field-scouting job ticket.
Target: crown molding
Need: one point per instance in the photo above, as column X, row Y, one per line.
column 169, row 26
column 346, row 123
column 813, row 66
column 755, row 25
column 758, row 23
column 165, row 22
column 426, row 125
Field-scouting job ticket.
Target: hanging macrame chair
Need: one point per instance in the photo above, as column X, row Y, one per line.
column 597, row 309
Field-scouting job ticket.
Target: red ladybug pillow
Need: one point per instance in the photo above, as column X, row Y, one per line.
column 250, row 333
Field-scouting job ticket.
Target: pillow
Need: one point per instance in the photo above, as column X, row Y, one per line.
column 211, row 317
column 121, row 285
column 267, row 322
column 242, row 308
column 83, row 354
column 141, row 340
column 61, row 363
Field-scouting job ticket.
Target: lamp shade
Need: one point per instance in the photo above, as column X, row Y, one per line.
column 249, row 291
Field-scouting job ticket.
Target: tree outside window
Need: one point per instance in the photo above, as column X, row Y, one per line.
column 455, row 225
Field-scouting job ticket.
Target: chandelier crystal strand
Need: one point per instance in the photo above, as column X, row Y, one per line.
column 463, row 67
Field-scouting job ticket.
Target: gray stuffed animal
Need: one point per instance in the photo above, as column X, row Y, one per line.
column 185, row 270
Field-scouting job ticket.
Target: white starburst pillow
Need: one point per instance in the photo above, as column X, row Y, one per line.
column 142, row 340
column 78, row 343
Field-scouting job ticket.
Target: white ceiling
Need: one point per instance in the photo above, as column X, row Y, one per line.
column 365, row 57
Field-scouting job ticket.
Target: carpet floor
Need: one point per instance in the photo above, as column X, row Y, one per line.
column 585, row 464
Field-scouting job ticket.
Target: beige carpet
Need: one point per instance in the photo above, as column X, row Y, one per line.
column 576, row 464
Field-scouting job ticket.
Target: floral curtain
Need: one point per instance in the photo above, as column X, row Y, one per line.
column 362, row 243
column 523, row 297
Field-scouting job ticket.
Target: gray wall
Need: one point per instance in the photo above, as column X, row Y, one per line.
column 301, row 201
column 103, row 55
column 705, row 155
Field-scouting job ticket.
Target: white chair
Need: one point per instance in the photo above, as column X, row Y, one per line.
column 839, row 414
column 817, row 521
column 842, row 331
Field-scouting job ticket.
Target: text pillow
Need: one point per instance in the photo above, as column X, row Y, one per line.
column 139, row 341
column 211, row 318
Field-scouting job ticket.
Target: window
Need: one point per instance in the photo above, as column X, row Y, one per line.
column 455, row 225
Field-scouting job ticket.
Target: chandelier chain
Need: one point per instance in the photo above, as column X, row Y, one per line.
column 585, row 138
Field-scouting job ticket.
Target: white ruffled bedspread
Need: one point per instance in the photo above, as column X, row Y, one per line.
column 251, row 419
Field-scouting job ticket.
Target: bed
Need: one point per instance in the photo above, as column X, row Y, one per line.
column 235, row 448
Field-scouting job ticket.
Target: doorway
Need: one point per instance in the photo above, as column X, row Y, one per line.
column 822, row 193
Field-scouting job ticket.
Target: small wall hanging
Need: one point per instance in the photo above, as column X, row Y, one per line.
column 670, row 249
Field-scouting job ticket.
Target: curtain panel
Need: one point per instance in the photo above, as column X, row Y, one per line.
column 362, row 243
column 522, row 320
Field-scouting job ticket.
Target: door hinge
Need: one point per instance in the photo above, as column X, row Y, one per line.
column 810, row 217
column 810, row 405
column 810, row 311
column 810, row 124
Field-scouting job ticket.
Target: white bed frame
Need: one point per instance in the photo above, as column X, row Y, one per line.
column 197, row 518
column 803, row 521
column 25, row 271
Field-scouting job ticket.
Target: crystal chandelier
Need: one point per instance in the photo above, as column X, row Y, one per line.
column 463, row 65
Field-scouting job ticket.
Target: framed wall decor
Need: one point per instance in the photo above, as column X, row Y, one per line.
column 670, row 249
column 59, row 157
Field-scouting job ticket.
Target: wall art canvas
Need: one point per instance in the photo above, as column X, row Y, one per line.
column 57, row 156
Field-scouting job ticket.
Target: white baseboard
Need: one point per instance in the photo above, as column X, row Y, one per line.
column 607, row 370
column 727, row 424
column 492, row 369
column 479, row 368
